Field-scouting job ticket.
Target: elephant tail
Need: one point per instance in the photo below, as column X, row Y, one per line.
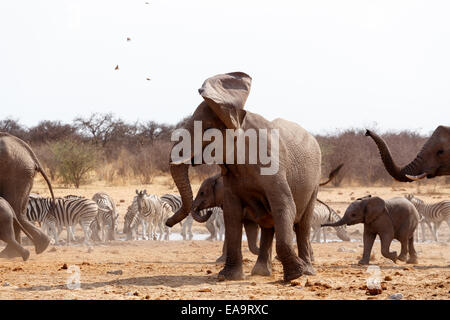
column 22, row 228
column 332, row 174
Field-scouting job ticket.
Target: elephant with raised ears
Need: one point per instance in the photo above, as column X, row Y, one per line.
column 209, row 195
column 18, row 166
column 278, row 186
column 396, row 218
column 433, row 159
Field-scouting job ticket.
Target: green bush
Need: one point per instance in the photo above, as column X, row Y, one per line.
column 74, row 160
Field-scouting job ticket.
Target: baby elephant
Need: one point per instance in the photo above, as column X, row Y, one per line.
column 7, row 217
column 392, row 219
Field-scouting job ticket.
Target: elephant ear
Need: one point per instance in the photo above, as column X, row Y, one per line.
column 374, row 208
column 226, row 95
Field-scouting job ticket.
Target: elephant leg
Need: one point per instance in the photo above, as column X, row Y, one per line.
column 368, row 239
column 263, row 265
column 251, row 230
column 404, row 250
column 7, row 233
column 17, row 247
column 386, row 240
column 303, row 231
column 223, row 257
column 412, row 252
column 233, row 213
column 283, row 211
column 18, row 199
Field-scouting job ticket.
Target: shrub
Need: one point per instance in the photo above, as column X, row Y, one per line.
column 74, row 160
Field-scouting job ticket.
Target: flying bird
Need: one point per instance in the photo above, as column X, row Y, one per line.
column 148, row 79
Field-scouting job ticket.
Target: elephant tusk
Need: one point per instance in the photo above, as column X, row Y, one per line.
column 418, row 177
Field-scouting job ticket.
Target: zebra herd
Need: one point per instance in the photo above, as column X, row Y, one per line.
column 98, row 217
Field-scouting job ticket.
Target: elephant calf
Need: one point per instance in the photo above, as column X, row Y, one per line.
column 396, row 218
column 7, row 216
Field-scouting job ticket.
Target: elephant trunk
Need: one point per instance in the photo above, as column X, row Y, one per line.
column 180, row 175
column 199, row 218
column 408, row 173
column 339, row 223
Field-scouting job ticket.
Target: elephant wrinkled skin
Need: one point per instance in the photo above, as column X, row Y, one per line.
column 396, row 218
column 432, row 161
column 279, row 203
column 18, row 166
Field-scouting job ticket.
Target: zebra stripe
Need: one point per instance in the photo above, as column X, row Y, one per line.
column 174, row 200
column 432, row 214
column 65, row 213
column 106, row 220
column 324, row 214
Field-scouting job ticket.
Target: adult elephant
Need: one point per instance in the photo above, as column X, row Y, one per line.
column 18, row 166
column 280, row 202
column 432, row 161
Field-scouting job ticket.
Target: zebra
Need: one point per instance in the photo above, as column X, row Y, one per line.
column 324, row 214
column 431, row 214
column 131, row 221
column 215, row 225
column 106, row 220
column 64, row 213
column 155, row 211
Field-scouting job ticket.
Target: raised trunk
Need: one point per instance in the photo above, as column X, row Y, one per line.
column 413, row 169
column 199, row 218
column 180, row 175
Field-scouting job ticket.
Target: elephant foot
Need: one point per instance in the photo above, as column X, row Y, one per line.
column 363, row 262
column 42, row 244
column 402, row 257
column 262, row 269
column 229, row 273
column 9, row 253
column 295, row 268
column 221, row 259
column 25, row 254
column 412, row 260
column 309, row 270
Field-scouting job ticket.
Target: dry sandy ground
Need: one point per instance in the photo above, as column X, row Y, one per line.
column 187, row 269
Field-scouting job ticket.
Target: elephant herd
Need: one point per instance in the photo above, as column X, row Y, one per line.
column 281, row 203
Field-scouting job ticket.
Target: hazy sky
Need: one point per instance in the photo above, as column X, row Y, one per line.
column 324, row 64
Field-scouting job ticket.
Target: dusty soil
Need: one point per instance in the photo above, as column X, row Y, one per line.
column 187, row 269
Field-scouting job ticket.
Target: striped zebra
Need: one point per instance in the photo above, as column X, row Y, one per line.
column 432, row 214
column 174, row 200
column 65, row 213
column 106, row 220
column 152, row 209
column 324, row 214
column 131, row 221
